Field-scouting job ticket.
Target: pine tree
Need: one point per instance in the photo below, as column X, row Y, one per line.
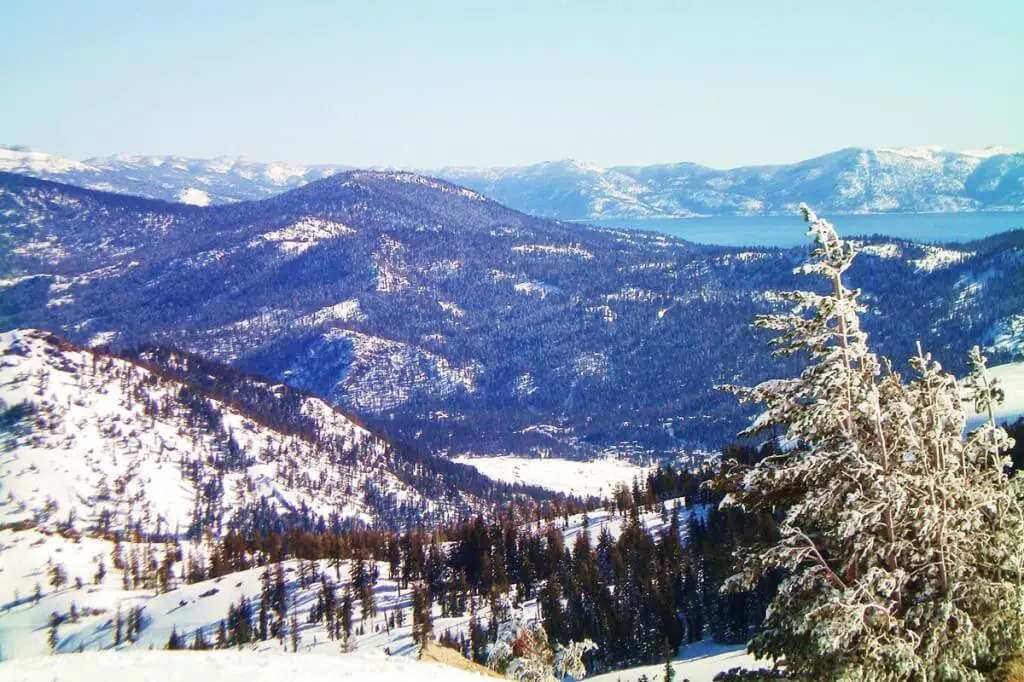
column 902, row 538
column 222, row 636
column 199, row 642
column 53, row 638
column 422, row 618
column 345, row 618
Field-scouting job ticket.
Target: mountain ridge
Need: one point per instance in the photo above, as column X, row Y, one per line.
column 171, row 441
column 850, row 180
column 460, row 326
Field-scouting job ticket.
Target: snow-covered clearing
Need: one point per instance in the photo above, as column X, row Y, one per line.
column 226, row 666
column 193, row 196
column 596, row 477
column 698, row 662
column 553, row 250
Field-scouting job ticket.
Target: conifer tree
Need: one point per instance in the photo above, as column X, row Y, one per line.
column 345, row 618
column 53, row 639
column 902, row 537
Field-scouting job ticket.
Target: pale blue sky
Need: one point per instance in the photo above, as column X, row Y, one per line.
column 434, row 83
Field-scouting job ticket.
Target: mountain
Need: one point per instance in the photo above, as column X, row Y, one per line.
column 847, row 181
column 192, row 181
column 172, row 443
column 919, row 179
column 453, row 324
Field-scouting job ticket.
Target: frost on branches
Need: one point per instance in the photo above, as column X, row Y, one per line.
column 521, row 652
column 901, row 538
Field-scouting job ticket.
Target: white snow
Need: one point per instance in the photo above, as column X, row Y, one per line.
column 19, row 160
column 193, row 196
column 281, row 173
column 302, row 235
column 698, row 662
column 345, row 311
column 988, row 152
column 937, row 257
column 925, row 152
column 882, row 250
column 1011, row 379
column 539, row 289
column 187, row 608
column 573, row 250
column 452, row 309
column 227, row 666
column 596, row 477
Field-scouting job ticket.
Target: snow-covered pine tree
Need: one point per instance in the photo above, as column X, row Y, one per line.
column 522, row 652
column 902, row 539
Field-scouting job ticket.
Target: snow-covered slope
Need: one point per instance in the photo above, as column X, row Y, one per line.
column 699, row 662
column 96, row 442
column 227, row 666
column 1011, row 379
column 171, row 604
column 917, row 179
column 236, row 666
column 596, row 477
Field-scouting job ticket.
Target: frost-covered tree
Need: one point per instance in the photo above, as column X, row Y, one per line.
column 522, row 652
column 902, row 538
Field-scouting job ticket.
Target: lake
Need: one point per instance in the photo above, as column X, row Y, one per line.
column 787, row 231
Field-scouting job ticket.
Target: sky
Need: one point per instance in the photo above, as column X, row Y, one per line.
column 432, row 83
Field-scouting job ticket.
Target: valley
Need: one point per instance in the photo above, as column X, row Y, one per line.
column 454, row 325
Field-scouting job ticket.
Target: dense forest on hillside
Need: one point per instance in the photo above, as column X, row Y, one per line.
column 456, row 325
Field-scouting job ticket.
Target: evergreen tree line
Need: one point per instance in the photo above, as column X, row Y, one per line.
column 652, row 589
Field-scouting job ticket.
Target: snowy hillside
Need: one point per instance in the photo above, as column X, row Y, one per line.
column 1011, row 379
column 227, row 666
column 99, row 443
column 131, row 596
column 917, row 179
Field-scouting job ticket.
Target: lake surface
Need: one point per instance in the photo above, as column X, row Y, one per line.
column 787, row 231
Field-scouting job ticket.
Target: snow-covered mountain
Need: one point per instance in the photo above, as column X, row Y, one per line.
column 171, row 443
column 852, row 180
column 199, row 182
column 459, row 326
column 918, row 179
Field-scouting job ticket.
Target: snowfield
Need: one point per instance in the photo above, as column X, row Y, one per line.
column 596, row 477
column 226, row 666
column 1011, row 380
column 699, row 662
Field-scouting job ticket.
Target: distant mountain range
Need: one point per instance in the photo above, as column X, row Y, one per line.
column 920, row 179
column 453, row 324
